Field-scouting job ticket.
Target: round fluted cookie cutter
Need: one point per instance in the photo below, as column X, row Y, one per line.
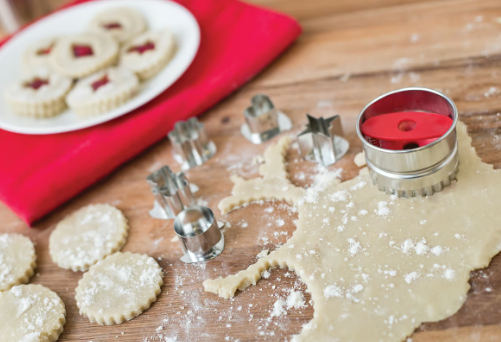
column 418, row 171
column 199, row 234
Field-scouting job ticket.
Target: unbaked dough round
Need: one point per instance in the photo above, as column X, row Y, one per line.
column 149, row 53
column 119, row 288
column 31, row 313
column 39, row 93
column 83, row 54
column 17, row 260
column 87, row 236
column 120, row 23
column 103, row 91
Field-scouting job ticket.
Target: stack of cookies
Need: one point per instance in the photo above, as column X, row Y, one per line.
column 92, row 72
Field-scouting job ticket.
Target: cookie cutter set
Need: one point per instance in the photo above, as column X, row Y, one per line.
column 408, row 135
column 196, row 227
column 416, row 155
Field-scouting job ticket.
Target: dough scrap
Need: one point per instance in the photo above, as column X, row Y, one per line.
column 360, row 159
column 87, row 236
column 31, row 313
column 119, row 288
column 384, row 263
column 17, row 260
column 275, row 183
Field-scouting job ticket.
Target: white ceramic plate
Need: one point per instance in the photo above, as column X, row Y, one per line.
column 159, row 14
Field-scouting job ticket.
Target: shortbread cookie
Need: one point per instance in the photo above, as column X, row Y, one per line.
column 38, row 54
column 87, row 236
column 31, row 313
column 82, row 55
column 120, row 23
column 40, row 93
column 148, row 54
column 17, row 260
column 103, row 91
column 118, row 288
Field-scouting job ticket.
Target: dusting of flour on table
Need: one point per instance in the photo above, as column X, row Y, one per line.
column 383, row 263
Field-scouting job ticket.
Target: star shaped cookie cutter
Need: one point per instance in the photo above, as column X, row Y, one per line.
column 191, row 145
column 322, row 141
column 263, row 121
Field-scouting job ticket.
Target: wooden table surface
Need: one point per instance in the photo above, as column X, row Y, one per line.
column 350, row 52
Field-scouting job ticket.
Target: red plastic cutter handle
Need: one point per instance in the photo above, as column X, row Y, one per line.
column 405, row 130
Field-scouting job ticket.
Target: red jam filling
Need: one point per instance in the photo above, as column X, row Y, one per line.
column 112, row 26
column 142, row 48
column 36, row 83
column 82, row 50
column 46, row 51
column 100, row 82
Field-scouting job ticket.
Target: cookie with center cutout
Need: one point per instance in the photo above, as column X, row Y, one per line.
column 40, row 93
column 122, row 24
column 148, row 54
column 39, row 53
column 81, row 55
column 103, row 91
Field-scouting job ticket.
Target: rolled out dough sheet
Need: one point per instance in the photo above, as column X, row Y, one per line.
column 377, row 266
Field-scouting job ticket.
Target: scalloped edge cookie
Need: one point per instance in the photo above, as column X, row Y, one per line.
column 120, row 23
column 150, row 62
column 23, row 245
column 108, row 285
column 101, row 52
column 46, row 100
column 103, row 91
column 38, row 54
column 88, row 235
column 32, row 302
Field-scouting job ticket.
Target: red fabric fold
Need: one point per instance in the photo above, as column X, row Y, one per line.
column 39, row 173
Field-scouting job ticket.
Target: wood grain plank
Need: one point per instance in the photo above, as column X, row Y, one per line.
column 364, row 38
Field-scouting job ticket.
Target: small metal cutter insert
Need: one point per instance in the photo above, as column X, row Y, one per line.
column 171, row 191
column 263, row 121
column 199, row 234
column 417, row 171
column 322, row 141
column 191, row 146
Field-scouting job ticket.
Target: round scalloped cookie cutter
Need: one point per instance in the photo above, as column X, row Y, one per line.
column 199, row 234
column 421, row 165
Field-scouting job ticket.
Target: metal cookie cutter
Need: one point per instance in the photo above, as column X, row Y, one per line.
column 199, row 234
column 171, row 191
column 417, row 169
column 263, row 121
column 322, row 141
column 191, row 146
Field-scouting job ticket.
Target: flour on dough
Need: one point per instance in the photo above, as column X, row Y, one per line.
column 31, row 313
column 87, row 236
column 275, row 183
column 384, row 263
column 17, row 260
column 119, row 288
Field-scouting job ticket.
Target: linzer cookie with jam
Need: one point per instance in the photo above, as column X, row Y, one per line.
column 103, row 91
column 120, row 23
column 82, row 55
column 41, row 93
column 38, row 54
column 148, row 54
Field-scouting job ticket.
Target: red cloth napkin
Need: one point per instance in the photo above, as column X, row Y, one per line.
column 39, row 173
